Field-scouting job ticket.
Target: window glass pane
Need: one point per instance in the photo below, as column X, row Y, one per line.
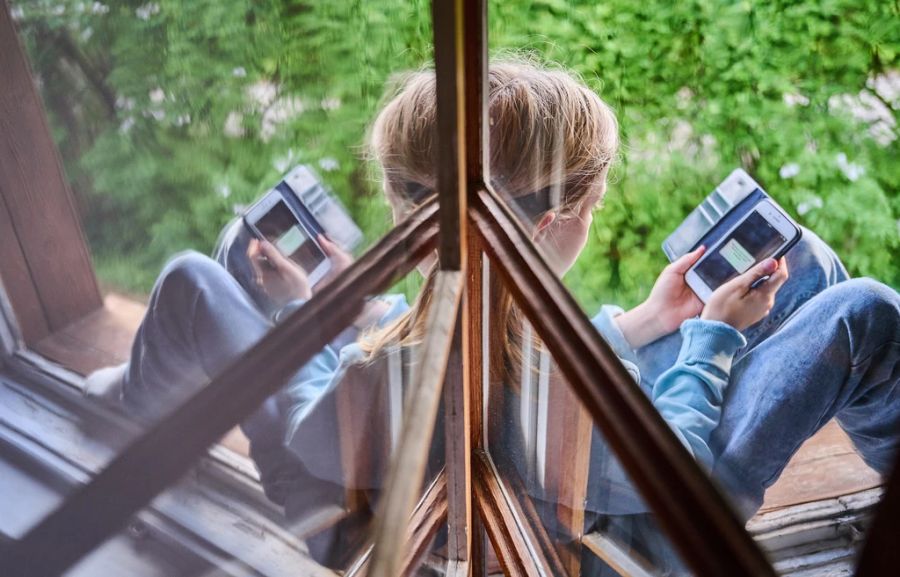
column 173, row 121
column 688, row 109
column 562, row 478
column 320, row 451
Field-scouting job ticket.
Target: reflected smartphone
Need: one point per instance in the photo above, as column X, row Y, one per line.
column 764, row 231
column 272, row 218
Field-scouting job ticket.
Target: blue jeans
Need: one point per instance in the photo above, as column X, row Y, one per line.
column 829, row 348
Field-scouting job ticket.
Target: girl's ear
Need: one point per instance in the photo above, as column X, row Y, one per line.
column 542, row 224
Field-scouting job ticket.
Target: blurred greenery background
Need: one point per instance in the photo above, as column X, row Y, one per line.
column 173, row 115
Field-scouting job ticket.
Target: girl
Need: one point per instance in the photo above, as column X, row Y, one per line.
column 742, row 381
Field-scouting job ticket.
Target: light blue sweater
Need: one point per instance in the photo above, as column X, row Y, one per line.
column 688, row 396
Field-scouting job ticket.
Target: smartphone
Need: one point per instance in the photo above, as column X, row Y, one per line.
column 765, row 231
column 273, row 219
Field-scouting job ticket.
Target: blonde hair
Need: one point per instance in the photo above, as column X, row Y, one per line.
column 549, row 134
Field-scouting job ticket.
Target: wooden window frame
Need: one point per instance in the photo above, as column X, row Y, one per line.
column 471, row 219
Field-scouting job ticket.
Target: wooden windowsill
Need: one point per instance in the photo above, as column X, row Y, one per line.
column 103, row 338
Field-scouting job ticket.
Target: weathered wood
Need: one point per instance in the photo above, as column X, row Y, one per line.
column 170, row 446
column 565, row 470
column 428, row 517
column 700, row 521
column 450, row 171
column 513, row 540
column 457, row 444
column 40, row 206
column 615, row 556
column 52, row 433
column 825, row 466
column 408, row 463
column 17, row 282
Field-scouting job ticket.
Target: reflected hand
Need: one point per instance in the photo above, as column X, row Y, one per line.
column 739, row 304
column 280, row 278
column 340, row 260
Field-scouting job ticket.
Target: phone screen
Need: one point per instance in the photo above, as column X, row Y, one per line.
column 753, row 240
column 280, row 227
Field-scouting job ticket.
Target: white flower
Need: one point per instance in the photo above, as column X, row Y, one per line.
column 124, row 103
column 329, row 164
column 238, row 208
column 262, row 93
column 17, row 13
column 126, row 125
column 147, row 10
column 182, row 119
column 808, row 205
column 157, row 95
column 792, row 99
column 239, row 72
column 282, row 163
column 99, row 8
column 86, row 34
column 157, row 114
column 58, row 10
column 234, row 125
column 850, row 169
column 789, row 170
column 330, row 103
column 280, row 112
column 224, row 190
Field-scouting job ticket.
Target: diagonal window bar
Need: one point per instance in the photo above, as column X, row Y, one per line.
column 424, row 524
column 690, row 509
column 517, row 544
column 408, row 466
column 171, row 445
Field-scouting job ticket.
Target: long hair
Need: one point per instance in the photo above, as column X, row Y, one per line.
column 551, row 139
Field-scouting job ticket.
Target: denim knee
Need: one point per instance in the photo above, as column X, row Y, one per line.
column 184, row 277
column 866, row 298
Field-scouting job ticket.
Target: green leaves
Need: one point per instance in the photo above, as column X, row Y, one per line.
column 214, row 98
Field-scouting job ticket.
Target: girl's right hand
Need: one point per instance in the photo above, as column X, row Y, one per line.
column 278, row 276
column 736, row 304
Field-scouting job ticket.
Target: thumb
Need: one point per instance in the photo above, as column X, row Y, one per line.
column 273, row 255
column 764, row 267
column 686, row 261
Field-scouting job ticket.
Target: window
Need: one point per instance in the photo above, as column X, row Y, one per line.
column 455, row 475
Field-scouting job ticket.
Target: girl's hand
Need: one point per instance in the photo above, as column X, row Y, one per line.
column 740, row 306
column 280, row 278
column 340, row 260
column 671, row 301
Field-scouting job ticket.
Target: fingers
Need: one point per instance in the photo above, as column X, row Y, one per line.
column 776, row 281
column 255, row 257
column 340, row 258
column 681, row 265
column 328, row 247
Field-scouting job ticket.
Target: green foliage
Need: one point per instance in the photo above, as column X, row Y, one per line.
column 172, row 115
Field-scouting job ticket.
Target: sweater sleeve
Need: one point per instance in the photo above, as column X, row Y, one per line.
column 689, row 395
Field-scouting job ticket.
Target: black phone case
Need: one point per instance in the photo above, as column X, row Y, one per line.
column 713, row 218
